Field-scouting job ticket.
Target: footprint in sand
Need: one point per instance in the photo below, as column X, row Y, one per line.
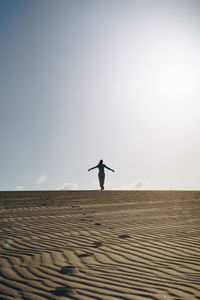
column 124, row 236
column 69, row 270
column 97, row 244
column 85, row 255
column 64, row 291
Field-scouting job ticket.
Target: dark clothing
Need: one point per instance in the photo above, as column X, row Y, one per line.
column 101, row 179
column 101, row 168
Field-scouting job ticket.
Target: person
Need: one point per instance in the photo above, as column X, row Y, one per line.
column 101, row 174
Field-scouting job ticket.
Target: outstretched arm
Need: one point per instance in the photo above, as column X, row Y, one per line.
column 92, row 168
column 109, row 168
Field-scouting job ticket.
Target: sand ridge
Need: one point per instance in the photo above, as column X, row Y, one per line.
column 100, row 245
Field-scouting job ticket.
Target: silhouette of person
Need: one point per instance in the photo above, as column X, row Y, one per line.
column 101, row 174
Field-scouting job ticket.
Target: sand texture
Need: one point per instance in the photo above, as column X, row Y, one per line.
column 100, row 245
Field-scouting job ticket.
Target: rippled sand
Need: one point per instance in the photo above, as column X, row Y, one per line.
column 100, row 245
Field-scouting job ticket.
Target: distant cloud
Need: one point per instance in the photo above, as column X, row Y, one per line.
column 19, row 188
column 139, row 184
column 42, row 179
column 68, row 186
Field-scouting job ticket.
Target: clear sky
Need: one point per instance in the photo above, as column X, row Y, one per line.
column 84, row 80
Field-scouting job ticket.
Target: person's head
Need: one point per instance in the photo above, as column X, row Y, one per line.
column 100, row 162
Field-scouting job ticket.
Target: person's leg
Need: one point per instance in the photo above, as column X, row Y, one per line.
column 101, row 180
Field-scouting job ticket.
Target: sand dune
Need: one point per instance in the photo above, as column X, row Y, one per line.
column 100, row 245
